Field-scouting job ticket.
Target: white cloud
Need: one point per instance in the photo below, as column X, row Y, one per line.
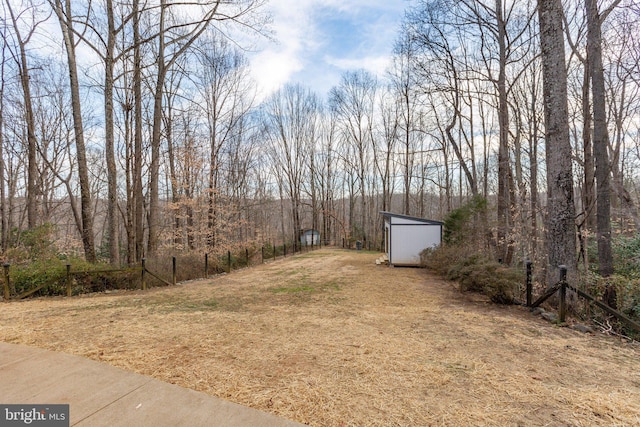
column 376, row 65
column 300, row 52
column 294, row 30
column 272, row 69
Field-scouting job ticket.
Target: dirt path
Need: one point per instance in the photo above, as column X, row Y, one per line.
column 330, row 339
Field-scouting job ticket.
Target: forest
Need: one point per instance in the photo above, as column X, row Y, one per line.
column 133, row 128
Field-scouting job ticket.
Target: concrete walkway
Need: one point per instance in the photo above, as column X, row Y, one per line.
column 102, row 395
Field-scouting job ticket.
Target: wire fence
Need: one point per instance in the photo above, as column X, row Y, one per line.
column 65, row 280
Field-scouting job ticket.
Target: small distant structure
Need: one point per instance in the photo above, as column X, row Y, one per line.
column 406, row 236
column 310, row 237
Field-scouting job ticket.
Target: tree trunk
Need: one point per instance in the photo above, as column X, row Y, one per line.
column 112, row 183
column 533, row 162
column 173, row 178
column 138, row 195
column 561, row 237
column 600, row 139
column 154, row 172
column 588, row 192
column 4, row 231
column 503, row 147
column 32, row 167
column 66, row 26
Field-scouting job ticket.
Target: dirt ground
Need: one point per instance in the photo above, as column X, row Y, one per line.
column 330, row 339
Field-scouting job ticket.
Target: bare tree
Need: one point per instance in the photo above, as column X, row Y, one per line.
column 600, row 135
column 439, row 73
column 561, row 238
column 21, row 59
column 624, row 102
column 403, row 82
column 66, row 25
column 4, row 232
column 136, row 235
column 327, row 176
column 105, row 48
column 291, row 116
column 223, row 82
column 354, row 101
column 385, row 148
column 174, row 38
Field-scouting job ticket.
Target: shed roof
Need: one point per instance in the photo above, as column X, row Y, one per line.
column 413, row 218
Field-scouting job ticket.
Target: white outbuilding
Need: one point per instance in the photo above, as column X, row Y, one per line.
column 406, row 236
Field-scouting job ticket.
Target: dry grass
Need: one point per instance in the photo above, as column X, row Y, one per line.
column 330, row 339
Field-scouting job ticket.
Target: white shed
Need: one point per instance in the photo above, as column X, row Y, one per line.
column 406, row 236
column 310, row 237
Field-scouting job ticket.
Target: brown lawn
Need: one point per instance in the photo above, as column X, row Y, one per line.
column 330, row 339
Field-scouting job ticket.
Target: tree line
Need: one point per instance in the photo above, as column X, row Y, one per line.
column 136, row 128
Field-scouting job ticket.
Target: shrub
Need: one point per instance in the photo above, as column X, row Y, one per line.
column 36, row 244
column 626, row 251
column 474, row 272
column 625, row 282
column 86, row 277
column 440, row 259
column 51, row 273
column 627, row 291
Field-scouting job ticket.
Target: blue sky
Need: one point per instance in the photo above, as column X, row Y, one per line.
column 318, row 40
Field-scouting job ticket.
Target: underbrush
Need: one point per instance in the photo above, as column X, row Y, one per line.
column 474, row 272
column 620, row 290
column 457, row 259
column 49, row 273
column 51, row 277
column 626, row 292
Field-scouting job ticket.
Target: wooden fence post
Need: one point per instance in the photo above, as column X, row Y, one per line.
column 206, row 266
column 68, row 280
column 173, row 270
column 143, row 282
column 563, row 293
column 529, row 285
column 7, row 294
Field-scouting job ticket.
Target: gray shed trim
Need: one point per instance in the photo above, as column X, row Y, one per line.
column 412, row 218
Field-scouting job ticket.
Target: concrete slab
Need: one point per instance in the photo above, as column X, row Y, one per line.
column 103, row 395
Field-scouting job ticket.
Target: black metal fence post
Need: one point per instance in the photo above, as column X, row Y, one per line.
column 173, row 270
column 246, row 255
column 206, row 266
column 143, row 281
column 68, row 280
column 229, row 261
column 262, row 252
column 529, row 285
column 563, row 293
column 7, row 282
column 284, row 249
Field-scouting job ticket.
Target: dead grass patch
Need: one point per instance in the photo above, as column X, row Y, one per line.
column 330, row 339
